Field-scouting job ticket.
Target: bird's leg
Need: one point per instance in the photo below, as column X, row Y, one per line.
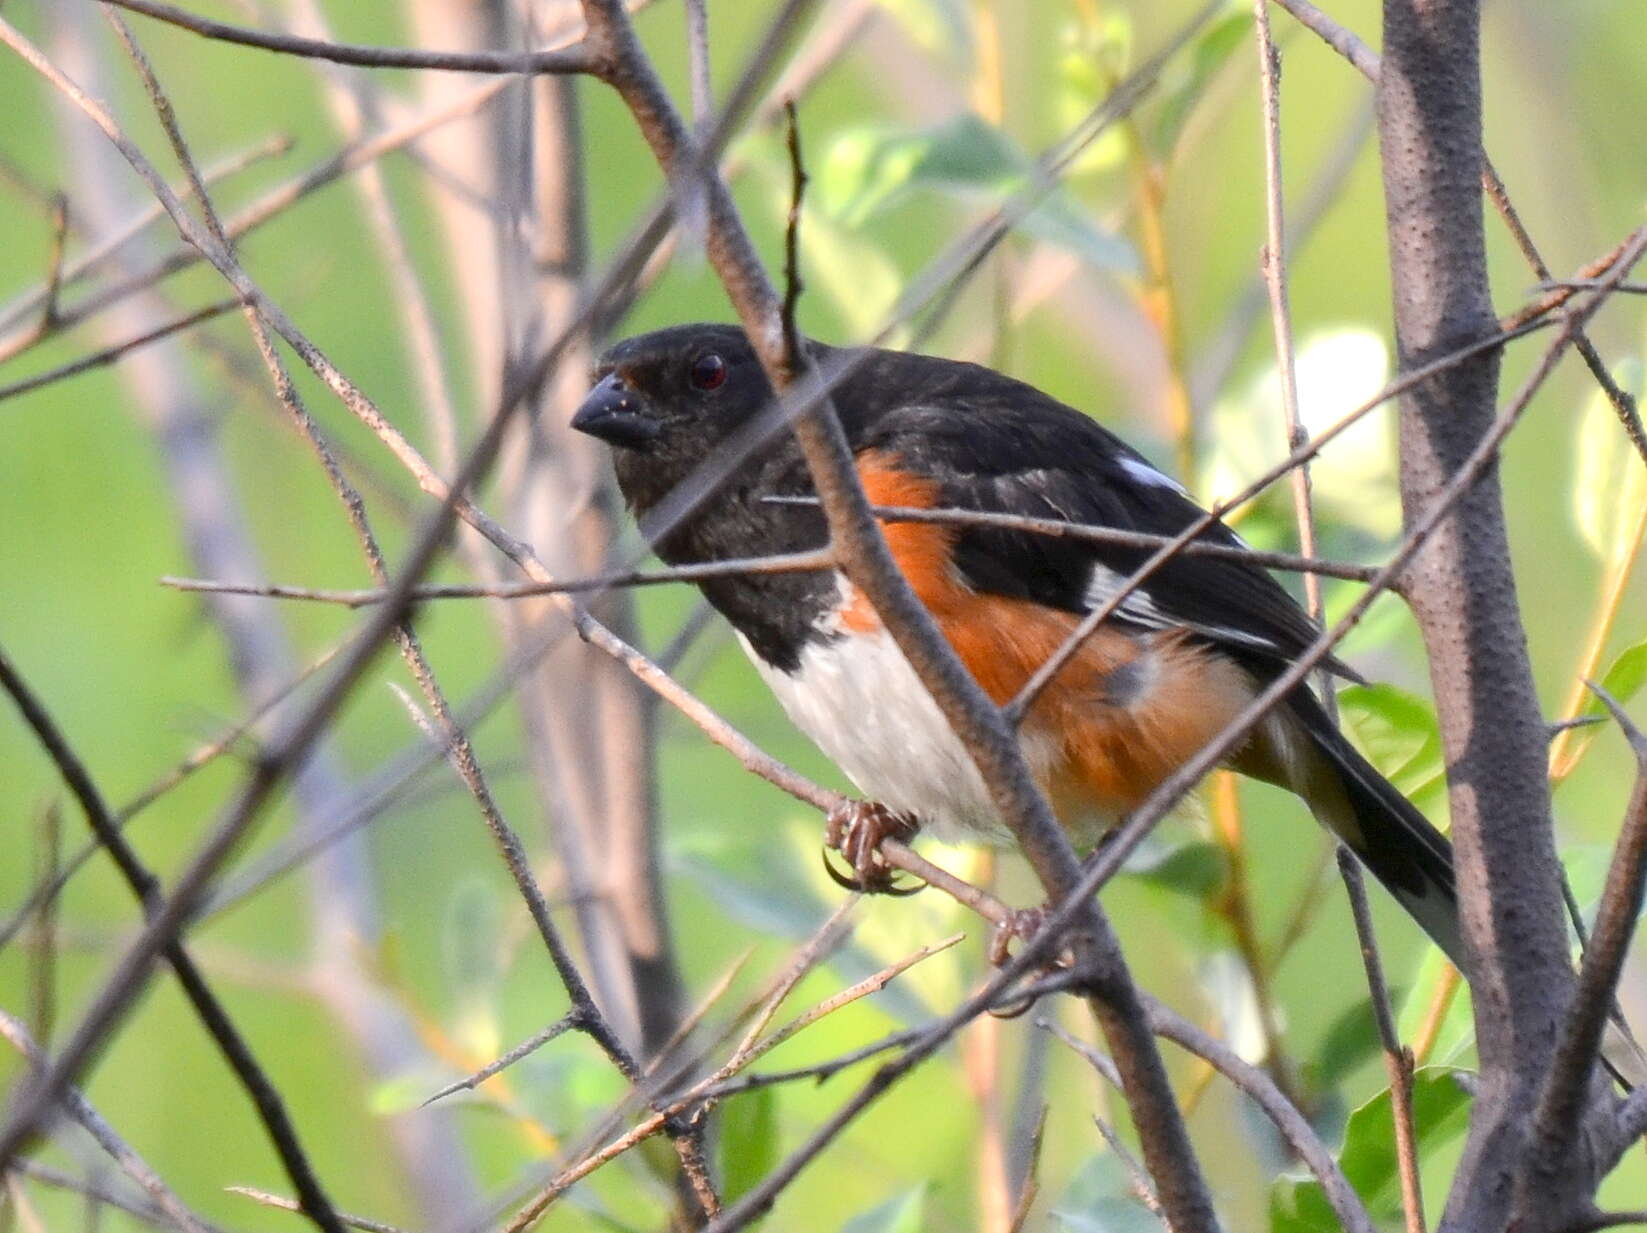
column 856, row 830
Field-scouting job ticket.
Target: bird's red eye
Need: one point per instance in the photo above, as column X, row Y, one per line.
column 708, row 372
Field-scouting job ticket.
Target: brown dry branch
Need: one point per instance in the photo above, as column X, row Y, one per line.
column 1398, row 1059
column 526, row 1047
column 1108, row 860
column 1567, row 1088
column 117, row 351
column 1292, row 1125
column 706, row 1092
column 291, row 1205
column 1405, row 381
column 786, row 563
column 1462, row 592
column 573, row 59
column 1091, row 533
column 96, row 1194
column 654, row 680
column 122, row 1153
column 131, row 972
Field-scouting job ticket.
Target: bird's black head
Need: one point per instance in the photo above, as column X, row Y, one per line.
column 664, row 401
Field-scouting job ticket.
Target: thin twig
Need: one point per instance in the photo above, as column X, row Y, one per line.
column 270, row 205
column 1096, row 534
column 786, row 563
column 1139, row 1180
column 792, row 231
column 131, row 972
column 1293, row 1125
column 291, row 1205
column 79, row 266
column 94, row 1193
column 121, row 1152
column 577, row 58
column 1565, row 1095
column 1031, row 689
column 1125, row 839
column 115, row 351
column 526, row 1047
column 145, row 886
column 200, row 757
column 1398, row 1059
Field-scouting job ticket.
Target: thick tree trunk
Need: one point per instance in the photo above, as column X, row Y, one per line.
column 1463, row 594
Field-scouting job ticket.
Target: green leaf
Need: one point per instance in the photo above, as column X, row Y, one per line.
column 749, row 1139
column 1609, row 481
column 1623, row 680
column 1398, row 732
column 1099, row 1199
column 1351, row 1039
column 1457, row 1030
column 1093, row 55
column 1211, row 52
column 867, row 170
column 1368, row 1158
column 904, row 1214
column 1196, row 868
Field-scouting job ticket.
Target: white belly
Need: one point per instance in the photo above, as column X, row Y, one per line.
column 862, row 704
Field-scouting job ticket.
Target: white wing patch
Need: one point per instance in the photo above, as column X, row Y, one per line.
column 1105, row 583
column 1146, row 474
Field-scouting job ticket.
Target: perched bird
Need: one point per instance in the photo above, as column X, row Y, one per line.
column 1180, row 657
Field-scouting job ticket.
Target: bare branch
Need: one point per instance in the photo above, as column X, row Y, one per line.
column 526, row 1047
column 1398, row 1059
column 291, row 1205
column 108, row 355
column 1092, row 533
column 118, row 237
column 1031, row 689
column 1565, row 1094
column 578, row 58
column 786, row 563
column 270, row 205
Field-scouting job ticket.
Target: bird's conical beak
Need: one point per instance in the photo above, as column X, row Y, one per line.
column 616, row 414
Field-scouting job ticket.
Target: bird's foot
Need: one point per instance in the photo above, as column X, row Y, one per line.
column 1024, row 925
column 1021, row 924
column 856, row 830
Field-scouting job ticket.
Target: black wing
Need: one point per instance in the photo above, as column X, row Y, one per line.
column 1002, row 446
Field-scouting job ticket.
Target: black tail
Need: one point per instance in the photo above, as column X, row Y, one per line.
column 1409, row 856
column 1396, row 842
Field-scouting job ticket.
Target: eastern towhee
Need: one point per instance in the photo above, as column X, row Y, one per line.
column 1181, row 656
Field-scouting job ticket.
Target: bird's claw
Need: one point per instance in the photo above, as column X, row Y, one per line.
column 856, row 830
column 1022, row 924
